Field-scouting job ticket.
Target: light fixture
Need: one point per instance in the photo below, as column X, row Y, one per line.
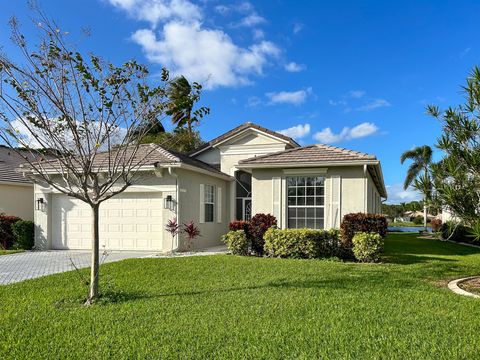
column 169, row 203
column 40, row 202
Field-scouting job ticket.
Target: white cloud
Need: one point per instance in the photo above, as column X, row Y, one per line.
column 289, row 97
column 222, row 9
column 297, row 132
column 337, row 103
column 294, row 67
column 356, row 94
column 327, row 136
column 297, row 27
column 374, row 104
column 254, row 101
column 200, row 53
column 252, row 20
column 396, row 194
column 258, row 34
column 155, row 11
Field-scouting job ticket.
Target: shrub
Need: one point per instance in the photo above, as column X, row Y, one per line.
column 259, row 224
column 239, row 225
column 454, row 231
column 236, row 242
column 436, row 224
column 418, row 220
column 24, row 234
column 362, row 222
column 367, row 247
column 191, row 232
column 301, row 243
column 6, row 235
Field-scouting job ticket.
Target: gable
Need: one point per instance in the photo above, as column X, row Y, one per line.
column 253, row 137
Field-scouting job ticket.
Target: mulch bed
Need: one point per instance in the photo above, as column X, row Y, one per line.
column 472, row 285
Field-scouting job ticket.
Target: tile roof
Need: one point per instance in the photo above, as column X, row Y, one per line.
column 311, row 153
column 247, row 125
column 9, row 161
column 146, row 154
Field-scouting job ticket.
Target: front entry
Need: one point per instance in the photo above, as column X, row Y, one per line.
column 243, row 195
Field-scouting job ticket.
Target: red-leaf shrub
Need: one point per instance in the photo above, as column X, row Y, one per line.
column 436, row 225
column 362, row 222
column 239, row 225
column 6, row 234
column 259, row 224
column 191, row 232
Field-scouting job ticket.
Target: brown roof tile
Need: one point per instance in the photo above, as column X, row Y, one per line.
column 311, row 153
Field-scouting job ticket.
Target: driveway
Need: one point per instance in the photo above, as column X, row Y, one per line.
column 33, row 264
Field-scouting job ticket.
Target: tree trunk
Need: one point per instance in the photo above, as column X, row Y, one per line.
column 95, row 266
column 425, row 216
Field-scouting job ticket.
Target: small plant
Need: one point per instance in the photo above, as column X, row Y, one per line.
column 367, row 247
column 418, row 220
column 6, row 235
column 362, row 222
column 24, row 234
column 173, row 228
column 239, row 225
column 259, row 224
column 236, row 242
column 436, row 224
column 191, row 232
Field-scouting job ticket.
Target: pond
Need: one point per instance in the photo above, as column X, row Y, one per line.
column 411, row 229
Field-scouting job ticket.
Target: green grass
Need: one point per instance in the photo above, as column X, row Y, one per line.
column 8, row 252
column 235, row 308
column 405, row 223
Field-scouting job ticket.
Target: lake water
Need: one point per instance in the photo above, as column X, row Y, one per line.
column 410, row 229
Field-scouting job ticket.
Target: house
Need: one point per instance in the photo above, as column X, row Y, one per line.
column 245, row 171
column 16, row 191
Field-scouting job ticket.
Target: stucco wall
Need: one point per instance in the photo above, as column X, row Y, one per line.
column 189, row 206
column 17, row 200
column 352, row 185
column 210, row 156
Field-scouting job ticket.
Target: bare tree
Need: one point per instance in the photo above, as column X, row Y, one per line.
column 87, row 110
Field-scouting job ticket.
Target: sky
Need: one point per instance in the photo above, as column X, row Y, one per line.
column 353, row 74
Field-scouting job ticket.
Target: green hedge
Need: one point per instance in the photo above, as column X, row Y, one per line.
column 24, row 234
column 367, row 247
column 237, row 242
column 301, row 243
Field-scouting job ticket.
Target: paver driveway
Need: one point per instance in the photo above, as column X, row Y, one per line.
column 33, row 264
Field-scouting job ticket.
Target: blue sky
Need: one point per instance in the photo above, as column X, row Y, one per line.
column 356, row 74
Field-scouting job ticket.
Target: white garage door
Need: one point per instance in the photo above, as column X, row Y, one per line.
column 129, row 221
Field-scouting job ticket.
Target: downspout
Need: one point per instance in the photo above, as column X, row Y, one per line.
column 365, row 184
column 172, row 173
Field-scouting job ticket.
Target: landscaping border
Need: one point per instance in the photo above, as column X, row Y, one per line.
column 453, row 285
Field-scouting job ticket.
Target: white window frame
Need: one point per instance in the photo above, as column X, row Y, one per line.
column 305, row 206
column 206, row 193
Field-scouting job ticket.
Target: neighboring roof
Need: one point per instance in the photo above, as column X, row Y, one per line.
column 310, row 154
column 9, row 161
column 147, row 155
column 238, row 129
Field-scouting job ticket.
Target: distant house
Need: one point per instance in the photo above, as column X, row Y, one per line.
column 16, row 191
column 245, row 171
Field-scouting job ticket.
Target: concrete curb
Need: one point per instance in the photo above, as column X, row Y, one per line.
column 453, row 285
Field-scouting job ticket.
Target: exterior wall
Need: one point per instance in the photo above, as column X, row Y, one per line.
column 17, row 200
column 210, row 156
column 189, row 207
column 148, row 182
column 373, row 198
column 352, row 190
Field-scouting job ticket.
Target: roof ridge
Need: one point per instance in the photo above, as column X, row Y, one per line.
column 351, row 151
column 164, row 151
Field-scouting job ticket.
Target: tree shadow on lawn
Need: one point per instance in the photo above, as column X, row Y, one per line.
column 363, row 283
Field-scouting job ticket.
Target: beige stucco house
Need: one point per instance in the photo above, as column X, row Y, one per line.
column 16, row 191
column 245, row 171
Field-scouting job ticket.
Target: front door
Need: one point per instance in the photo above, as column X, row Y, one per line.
column 247, row 209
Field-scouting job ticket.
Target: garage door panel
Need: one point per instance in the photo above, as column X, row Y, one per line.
column 130, row 221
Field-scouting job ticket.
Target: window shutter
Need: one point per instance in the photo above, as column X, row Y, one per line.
column 202, row 204
column 276, row 198
column 335, row 201
column 219, row 204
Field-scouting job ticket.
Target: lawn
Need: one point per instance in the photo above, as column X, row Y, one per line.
column 232, row 307
column 8, row 252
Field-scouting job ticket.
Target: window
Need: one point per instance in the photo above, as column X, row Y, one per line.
column 209, row 202
column 306, row 202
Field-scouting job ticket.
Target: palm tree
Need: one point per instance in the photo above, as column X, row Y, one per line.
column 419, row 173
column 182, row 97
